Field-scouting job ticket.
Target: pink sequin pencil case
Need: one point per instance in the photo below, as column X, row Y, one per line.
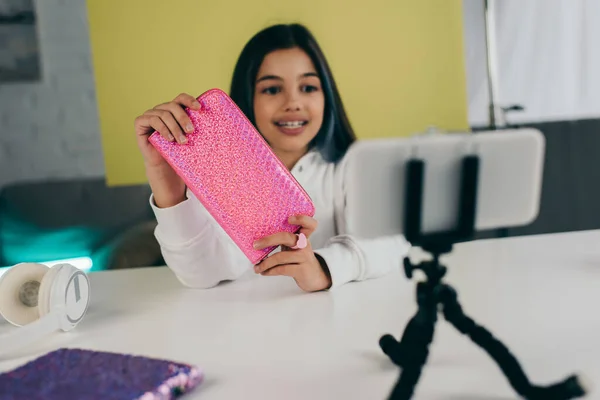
column 233, row 172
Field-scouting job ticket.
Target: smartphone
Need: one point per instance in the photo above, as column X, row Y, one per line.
column 508, row 187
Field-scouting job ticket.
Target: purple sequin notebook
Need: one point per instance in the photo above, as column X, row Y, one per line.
column 82, row 374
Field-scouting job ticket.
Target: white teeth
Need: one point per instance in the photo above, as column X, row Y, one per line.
column 291, row 124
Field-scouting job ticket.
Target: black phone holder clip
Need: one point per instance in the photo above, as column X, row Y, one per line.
column 433, row 296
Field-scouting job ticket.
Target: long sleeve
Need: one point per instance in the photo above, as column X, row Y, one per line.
column 201, row 254
column 195, row 247
column 356, row 259
column 351, row 257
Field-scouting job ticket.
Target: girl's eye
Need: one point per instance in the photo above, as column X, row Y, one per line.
column 309, row 88
column 271, row 90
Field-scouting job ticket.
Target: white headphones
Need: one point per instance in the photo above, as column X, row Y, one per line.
column 41, row 300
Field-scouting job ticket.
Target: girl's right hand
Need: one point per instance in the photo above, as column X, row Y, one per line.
column 171, row 120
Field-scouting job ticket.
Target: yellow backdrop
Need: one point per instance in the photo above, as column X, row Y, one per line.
column 398, row 63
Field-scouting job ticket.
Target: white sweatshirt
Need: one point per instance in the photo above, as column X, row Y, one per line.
column 201, row 254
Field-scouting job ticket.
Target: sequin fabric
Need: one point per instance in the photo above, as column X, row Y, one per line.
column 234, row 173
column 79, row 374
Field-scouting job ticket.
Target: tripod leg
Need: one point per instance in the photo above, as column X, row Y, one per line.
column 400, row 351
column 411, row 372
column 413, row 349
column 570, row 388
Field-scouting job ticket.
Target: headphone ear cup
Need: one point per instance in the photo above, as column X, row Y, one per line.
column 46, row 290
column 12, row 307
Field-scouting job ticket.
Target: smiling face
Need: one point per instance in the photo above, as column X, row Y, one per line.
column 288, row 103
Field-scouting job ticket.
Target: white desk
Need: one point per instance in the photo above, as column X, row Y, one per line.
column 262, row 338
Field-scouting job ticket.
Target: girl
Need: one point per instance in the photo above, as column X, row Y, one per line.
column 283, row 84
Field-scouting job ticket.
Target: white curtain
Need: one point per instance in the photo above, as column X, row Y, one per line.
column 547, row 58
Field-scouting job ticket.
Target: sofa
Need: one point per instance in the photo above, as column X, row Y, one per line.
column 70, row 218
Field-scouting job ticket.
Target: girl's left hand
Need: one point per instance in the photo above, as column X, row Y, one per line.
column 301, row 264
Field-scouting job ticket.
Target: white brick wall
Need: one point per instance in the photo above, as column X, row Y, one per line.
column 50, row 129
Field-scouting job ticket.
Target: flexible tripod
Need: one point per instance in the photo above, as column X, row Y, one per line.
column 411, row 352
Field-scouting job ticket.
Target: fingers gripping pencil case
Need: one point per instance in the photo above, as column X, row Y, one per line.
column 233, row 172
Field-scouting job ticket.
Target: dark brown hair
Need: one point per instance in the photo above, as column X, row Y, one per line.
column 336, row 135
